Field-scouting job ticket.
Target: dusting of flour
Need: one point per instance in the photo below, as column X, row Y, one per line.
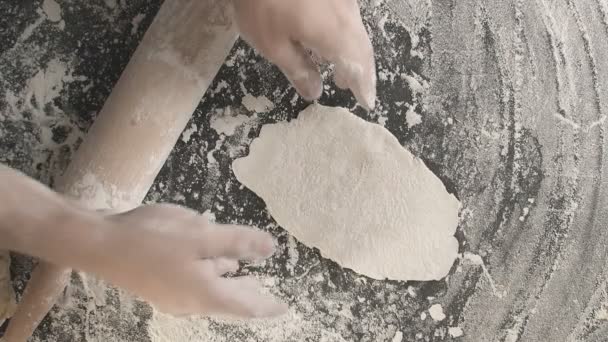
column 224, row 122
column 289, row 327
column 52, row 10
column 259, row 104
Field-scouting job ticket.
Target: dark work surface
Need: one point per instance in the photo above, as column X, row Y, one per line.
column 513, row 104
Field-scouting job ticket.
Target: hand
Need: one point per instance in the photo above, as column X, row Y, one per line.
column 165, row 254
column 175, row 259
column 282, row 30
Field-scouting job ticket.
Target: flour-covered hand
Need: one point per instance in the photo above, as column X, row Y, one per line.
column 283, row 31
column 165, row 254
column 176, row 260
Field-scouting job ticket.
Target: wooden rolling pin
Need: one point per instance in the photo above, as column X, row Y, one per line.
column 7, row 295
column 137, row 128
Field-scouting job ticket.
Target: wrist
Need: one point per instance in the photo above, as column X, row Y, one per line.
column 76, row 239
column 38, row 222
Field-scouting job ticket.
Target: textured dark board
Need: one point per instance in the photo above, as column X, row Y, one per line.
column 506, row 78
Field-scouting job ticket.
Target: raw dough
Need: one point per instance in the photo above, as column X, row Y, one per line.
column 7, row 295
column 347, row 187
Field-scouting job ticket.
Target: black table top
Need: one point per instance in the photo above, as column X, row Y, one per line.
column 513, row 98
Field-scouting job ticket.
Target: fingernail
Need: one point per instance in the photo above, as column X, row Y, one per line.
column 265, row 246
column 367, row 99
column 308, row 85
column 368, row 92
column 309, row 90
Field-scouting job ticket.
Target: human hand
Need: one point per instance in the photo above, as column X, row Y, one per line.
column 167, row 255
column 282, row 30
column 175, row 259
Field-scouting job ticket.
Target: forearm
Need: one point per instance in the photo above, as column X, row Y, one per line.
column 38, row 222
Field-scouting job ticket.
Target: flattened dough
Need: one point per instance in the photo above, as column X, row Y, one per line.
column 7, row 295
column 347, row 187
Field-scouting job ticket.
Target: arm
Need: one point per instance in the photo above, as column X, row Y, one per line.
column 166, row 254
column 38, row 222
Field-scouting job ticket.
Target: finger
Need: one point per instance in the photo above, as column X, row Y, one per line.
column 225, row 265
column 158, row 215
column 353, row 55
column 242, row 297
column 360, row 75
column 236, row 242
column 299, row 68
column 340, row 78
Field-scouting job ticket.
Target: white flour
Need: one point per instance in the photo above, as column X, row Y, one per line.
column 290, row 327
column 412, row 117
column 35, row 104
column 223, row 122
column 294, row 255
column 436, row 312
column 413, row 83
column 260, row 104
column 455, row 332
column 188, row 133
column 47, row 84
column 97, row 195
column 52, row 10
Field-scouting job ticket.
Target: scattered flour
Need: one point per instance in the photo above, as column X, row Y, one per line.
column 47, row 84
column 27, row 32
column 289, row 327
column 221, row 85
column 602, row 314
column 188, row 133
column 412, row 117
column 209, row 216
column 95, row 194
column 567, row 121
column 476, row 259
column 597, row 123
column 35, row 103
column 294, row 255
column 223, row 122
column 381, row 25
column 512, row 335
column 260, row 104
column 436, row 312
column 136, row 22
column 455, row 332
column 52, row 10
column 170, row 57
column 413, row 83
column 382, row 120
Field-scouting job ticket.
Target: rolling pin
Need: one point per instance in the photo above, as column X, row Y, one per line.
column 137, row 128
column 7, row 295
